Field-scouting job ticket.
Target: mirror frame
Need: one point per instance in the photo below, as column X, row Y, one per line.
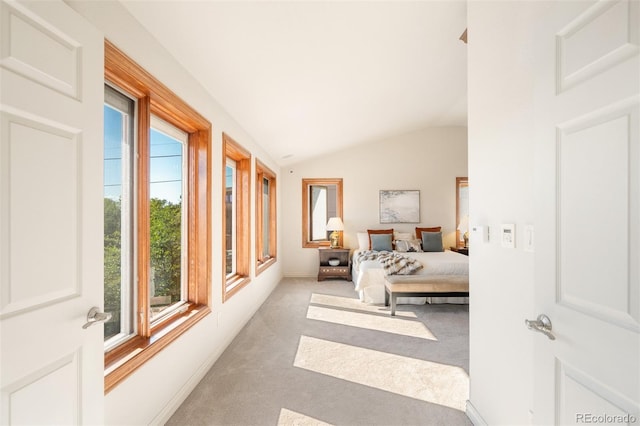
column 306, row 184
column 461, row 182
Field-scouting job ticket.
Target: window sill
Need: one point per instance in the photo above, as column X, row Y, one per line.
column 263, row 266
column 123, row 360
column 316, row 244
column 233, row 285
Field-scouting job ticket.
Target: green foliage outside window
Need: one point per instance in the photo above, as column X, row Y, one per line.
column 166, row 244
column 166, row 255
column 112, row 265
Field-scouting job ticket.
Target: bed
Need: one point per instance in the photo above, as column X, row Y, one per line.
column 369, row 276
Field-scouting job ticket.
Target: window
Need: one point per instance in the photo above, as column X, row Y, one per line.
column 236, row 178
column 266, row 242
column 167, row 218
column 157, row 212
column 119, row 119
column 230, row 233
column 321, row 199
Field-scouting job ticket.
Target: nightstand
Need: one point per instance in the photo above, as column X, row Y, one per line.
column 461, row 250
column 342, row 270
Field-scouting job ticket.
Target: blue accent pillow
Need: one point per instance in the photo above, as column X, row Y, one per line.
column 381, row 242
column 432, row 241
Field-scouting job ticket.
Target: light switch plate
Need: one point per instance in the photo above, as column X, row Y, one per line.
column 508, row 235
column 528, row 238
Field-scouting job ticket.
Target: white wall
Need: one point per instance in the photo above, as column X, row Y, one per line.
column 501, row 82
column 151, row 393
column 428, row 160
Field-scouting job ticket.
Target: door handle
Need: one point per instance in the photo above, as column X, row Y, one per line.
column 541, row 324
column 94, row 316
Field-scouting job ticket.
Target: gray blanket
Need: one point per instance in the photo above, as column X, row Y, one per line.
column 392, row 263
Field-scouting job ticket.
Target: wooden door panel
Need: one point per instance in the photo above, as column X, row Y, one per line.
column 587, row 263
column 52, row 388
column 51, row 260
column 45, row 41
column 47, row 205
column 582, row 400
column 595, row 205
column 595, row 41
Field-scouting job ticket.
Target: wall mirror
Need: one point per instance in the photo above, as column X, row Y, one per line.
column 462, row 211
column 321, row 199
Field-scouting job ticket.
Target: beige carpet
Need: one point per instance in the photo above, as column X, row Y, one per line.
column 315, row 355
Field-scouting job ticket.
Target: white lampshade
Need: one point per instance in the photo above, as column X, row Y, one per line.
column 335, row 224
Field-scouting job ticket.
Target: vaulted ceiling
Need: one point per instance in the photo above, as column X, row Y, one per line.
column 308, row 78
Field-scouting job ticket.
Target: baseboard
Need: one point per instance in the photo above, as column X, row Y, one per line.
column 474, row 415
column 299, row 275
column 174, row 403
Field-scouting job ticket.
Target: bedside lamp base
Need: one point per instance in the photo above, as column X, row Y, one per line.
column 335, row 239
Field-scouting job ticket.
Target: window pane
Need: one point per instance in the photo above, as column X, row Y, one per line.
column 230, row 214
column 266, row 220
column 167, row 217
column 318, row 213
column 118, row 135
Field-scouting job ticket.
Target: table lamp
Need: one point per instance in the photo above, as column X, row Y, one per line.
column 463, row 227
column 335, row 224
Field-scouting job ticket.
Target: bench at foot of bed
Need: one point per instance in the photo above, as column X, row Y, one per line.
column 424, row 286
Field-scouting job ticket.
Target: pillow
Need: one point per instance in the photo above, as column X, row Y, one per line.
column 379, row 231
column 381, row 242
column 408, row 246
column 419, row 231
column 363, row 240
column 402, row 236
column 432, row 241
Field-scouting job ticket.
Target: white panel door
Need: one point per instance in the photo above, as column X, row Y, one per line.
column 51, row 267
column 588, row 216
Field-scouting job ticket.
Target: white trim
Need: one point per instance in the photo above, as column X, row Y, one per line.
column 190, row 385
column 118, row 100
column 178, row 135
column 181, row 395
column 159, row 125
column 474, row 415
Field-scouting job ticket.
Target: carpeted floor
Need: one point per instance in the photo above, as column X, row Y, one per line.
column 314, row 355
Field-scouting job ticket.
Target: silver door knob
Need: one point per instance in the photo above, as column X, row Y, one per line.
column 94, row 316
column 541, row 324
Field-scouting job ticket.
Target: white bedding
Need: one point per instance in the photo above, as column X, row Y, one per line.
column 368, row 276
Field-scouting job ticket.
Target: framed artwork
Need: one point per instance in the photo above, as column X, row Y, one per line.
column 399, row 206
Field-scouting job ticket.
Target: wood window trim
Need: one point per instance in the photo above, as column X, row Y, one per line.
column 306, row 183
column 233, row 150
column 262, row 172
column 155, row 98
